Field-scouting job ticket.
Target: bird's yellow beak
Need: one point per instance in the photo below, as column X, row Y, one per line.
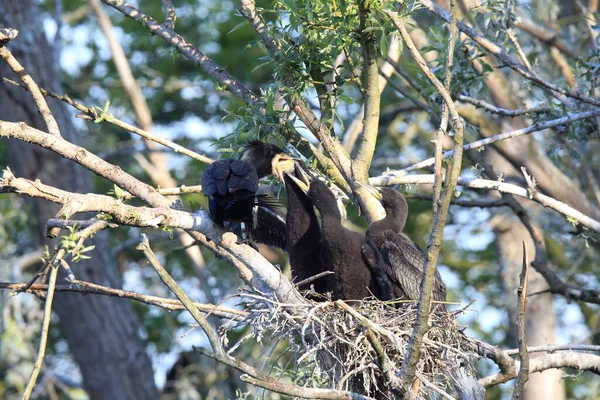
column 283, row 164
column 300, row 178
column 374, row 191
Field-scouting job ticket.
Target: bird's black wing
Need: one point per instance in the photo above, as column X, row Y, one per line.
column 243, row 176
column 268, row 227
column 374, row 261
column 404, row 264
column 214, row 179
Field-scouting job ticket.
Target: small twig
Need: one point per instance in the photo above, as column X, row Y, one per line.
column 503, row 111
column 558, row 92
column 144, row 246
column 39, row 273
column 482, row 202
column 92, row 113
column 551, row 348
column 170, row 16
column 53, row 225
column 538, row 126
column 7, row 35
column 303, row 392
column 313, row 278
column 34, row 89
column 44, row 335
column 500, row 186
column 523, row 375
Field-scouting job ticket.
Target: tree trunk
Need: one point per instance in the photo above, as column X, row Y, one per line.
column 103, row 333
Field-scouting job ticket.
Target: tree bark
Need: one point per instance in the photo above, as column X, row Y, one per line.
column 103, row 333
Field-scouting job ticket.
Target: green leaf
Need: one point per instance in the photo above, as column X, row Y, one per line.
column 383, row 45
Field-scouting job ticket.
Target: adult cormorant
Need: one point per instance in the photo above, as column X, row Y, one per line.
column 231, row 187
column 350, row 255
column 403, row 259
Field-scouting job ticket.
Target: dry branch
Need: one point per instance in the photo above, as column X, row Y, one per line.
column 86, row 288
column 477, row 183
column 579, row 361
column 34, row 89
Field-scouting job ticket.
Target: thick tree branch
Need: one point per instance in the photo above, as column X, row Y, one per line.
column 23, row 132
column 579, row 361
column 252, row 266
column 368, row 139
column 409, row 365
column 477, row 183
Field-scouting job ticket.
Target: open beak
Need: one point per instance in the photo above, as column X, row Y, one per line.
column 300, row 178
column 374, row 191
column 283, row 164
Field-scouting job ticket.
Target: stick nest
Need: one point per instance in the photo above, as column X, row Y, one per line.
column 355, row 345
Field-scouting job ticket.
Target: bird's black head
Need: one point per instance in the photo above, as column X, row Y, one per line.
column 322, row 197
column 261, row 155
column 395, row 205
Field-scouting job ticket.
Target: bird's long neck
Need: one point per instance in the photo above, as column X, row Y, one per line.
column 394, row 220
column 301, row 217
column 331, row 219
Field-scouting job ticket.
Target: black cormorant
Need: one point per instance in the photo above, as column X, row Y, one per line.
column 350, row 255
column 403, row 259
column 303, row 233
column 231, row 187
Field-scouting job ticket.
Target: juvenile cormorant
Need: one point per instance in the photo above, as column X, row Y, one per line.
column 350, row 255
column 403, row 259
column 303, row 233
column 231, row 187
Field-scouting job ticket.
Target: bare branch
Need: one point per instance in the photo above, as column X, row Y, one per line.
column 503, row 111
column 579, row 361
column 86, row 288
column 142, row 111
column 523, row 375
column 409, row 364
column 105, row 117
column 545, row 35
column 551, row 348
column 439, row 137
column 303, row 392
column 477, row 183
column 538, row 126
column 21, row 131
column 213, row 69
column 170, row 16
column 368, row 139
column 34, row 89
column 44, row 335
column 483, row 203
column 182, row 296
column 7, row 35
column 507, row 59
